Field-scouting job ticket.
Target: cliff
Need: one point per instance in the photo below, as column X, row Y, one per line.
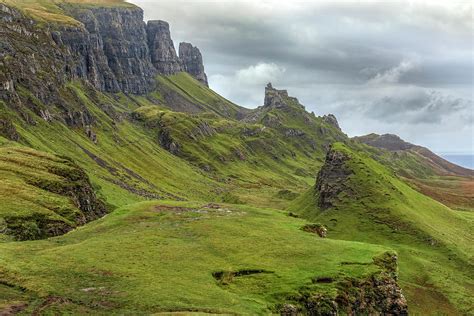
column 110, row 47
column 163, row 54
column 191, row 62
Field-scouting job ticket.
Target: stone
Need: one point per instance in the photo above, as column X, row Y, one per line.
column 331, row 120
column 289, row 310
column 274, row 97
column 162, row 52
column 331, row 179
column 191, row 62
column 318, row 229
column 111, row 50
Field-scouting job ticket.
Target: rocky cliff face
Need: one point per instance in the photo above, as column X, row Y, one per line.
column 113, row 50
column 163, row 54
column 331, row 120
column 191, row 62
column 331, row 179
column 274, row 97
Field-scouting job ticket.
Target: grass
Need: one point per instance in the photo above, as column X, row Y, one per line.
column 433, row 241
column 34, row 193
column 203, row 98
column 50, row 11
column 160, row 256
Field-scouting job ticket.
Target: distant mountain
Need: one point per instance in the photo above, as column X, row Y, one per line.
column 394, row 143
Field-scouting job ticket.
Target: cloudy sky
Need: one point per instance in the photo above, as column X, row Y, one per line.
column 386, row 67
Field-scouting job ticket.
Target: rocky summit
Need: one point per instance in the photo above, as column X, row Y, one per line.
column 129, row 187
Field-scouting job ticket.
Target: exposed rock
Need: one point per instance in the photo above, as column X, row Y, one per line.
column 318, row 229
column 8, row 130
column 291, row 132
column 331, row 178
column 289, row 310
column 90, row 134
column 112, row 50
column 202, row 130
column 274, row 97
column 375, row 294
column 163, row 54
column 191, row 62
column 167, row 142
column 331, row 120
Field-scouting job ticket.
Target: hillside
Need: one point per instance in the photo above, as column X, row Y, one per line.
column 212, row 249
column 128, row 186
column 428, row 173
column 359, row 199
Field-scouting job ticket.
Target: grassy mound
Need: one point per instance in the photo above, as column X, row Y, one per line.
column 167, row 256
column 373, row 205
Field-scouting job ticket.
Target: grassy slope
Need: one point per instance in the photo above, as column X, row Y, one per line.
column 49, row 11
column 20, row 198
column 434, row 242
column 147, row 259
column 429, row 174
column 204, row 98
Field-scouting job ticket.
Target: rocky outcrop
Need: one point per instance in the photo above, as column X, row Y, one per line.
column 191, row 62
column 274, row 97
column 167, row 142
column 8, row 130
column 331, row 179
column 331, row 120
column 318, row 229
column 162, row 52
column 375, row 294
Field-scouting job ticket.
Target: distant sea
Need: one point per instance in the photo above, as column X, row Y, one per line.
column 464, row 160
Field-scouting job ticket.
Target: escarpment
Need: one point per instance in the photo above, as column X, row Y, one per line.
column 111, row 48
column 163, row 54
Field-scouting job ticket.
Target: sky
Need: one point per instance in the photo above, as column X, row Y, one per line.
column 400, row 67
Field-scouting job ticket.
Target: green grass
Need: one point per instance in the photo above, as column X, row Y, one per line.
column 34, row 192
column 203, row 98
column 435, row 243
column 50, row 11
column 146, row 259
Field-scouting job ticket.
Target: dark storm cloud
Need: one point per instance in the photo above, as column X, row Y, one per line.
column 379, row 61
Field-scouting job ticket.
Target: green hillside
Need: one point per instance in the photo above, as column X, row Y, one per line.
column 369, row 203
column 162, row 256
